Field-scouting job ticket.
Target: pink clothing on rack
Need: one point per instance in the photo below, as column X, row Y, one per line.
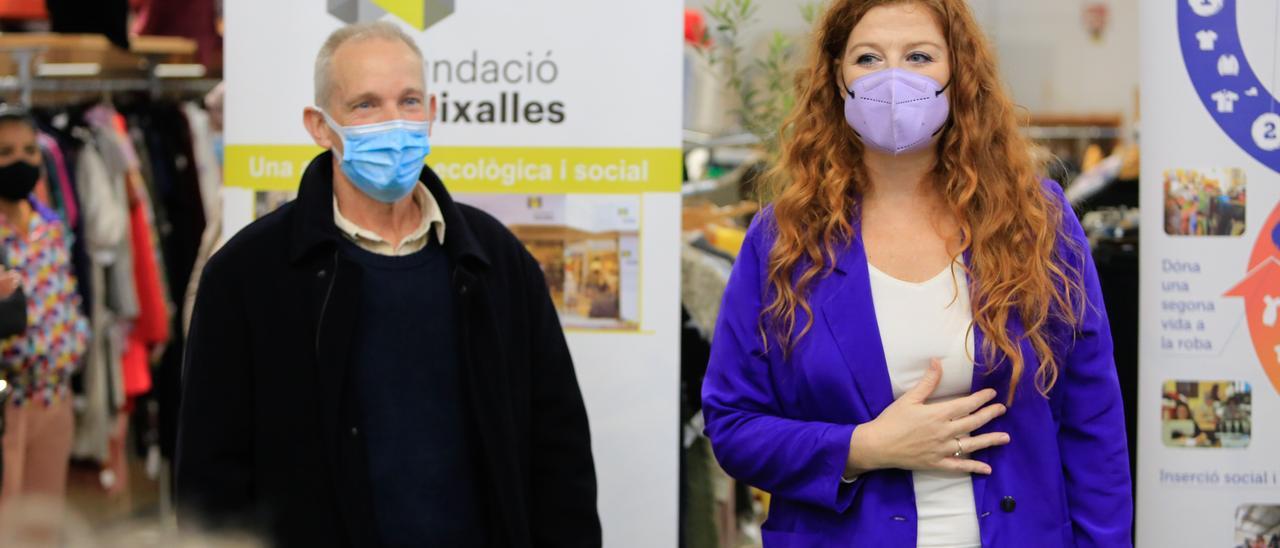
column 64, row 180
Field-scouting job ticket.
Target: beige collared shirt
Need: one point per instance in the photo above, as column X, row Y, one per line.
column 432, row 218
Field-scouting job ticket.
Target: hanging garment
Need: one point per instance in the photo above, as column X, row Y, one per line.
column 179, row 203
column 145, row 242
column 1094, row 180
column 156, row 221
column 60, row 174
column 69, row 147
column 106, row 227
column 209, row 173
column 208, row 245
column 122, row 296
column 151, row 328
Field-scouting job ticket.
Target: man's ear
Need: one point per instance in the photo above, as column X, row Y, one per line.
column 431, row 113
column 320, row 131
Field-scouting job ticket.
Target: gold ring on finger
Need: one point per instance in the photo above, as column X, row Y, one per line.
column 959, row 449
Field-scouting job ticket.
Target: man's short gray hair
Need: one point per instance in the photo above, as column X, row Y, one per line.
column 359, row 32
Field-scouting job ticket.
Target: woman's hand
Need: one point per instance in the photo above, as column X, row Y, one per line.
column 913, row 435
column 9, row 283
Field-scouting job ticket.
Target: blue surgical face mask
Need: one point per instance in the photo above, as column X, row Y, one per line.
column 383, row 160
column 219, row 149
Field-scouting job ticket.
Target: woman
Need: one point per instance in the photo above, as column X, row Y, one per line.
column 39, row 361
column 913, row 349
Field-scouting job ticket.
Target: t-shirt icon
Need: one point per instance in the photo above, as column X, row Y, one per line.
column 1206, row 38
column 1226, row 100
column 1205, row 8
column 1228, row 65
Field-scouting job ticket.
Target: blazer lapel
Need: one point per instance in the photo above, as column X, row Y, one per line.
column 850, row 315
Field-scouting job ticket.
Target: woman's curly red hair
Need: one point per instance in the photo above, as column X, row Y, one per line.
column 985, row 171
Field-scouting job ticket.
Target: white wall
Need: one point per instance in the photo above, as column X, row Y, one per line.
column 1047, row 58
column 1052, row 64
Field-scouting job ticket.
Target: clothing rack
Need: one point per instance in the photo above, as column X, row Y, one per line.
column 1074, row 127
column 1093, row 133
column 46, row 67
column 62, row 76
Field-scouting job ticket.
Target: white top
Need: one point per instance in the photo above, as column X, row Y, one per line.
column 918, row 322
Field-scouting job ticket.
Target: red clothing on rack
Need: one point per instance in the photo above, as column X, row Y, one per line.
column 151, row 328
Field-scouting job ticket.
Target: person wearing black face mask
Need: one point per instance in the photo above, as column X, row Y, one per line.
column 14, row 174
column 40, row 348
column 13, row 310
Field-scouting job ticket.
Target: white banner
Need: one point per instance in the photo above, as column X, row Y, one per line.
column 560, row 117
column 1209, row 410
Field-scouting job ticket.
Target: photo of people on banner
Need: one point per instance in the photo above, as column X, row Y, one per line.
column 1204, row 203
column 1258, row 526
column 1207, row 414
column 588, row 247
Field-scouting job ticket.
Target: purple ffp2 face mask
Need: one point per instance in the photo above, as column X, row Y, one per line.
column 895, row 110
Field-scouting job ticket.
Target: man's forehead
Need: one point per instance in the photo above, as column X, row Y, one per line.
column 374, row 50
column 382, row 63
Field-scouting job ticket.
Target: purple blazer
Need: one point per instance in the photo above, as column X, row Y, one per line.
column 784, row 426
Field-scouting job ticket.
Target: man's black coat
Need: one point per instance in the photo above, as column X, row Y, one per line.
column 267, row 437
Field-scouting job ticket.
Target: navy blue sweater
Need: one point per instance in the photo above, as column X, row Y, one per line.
column 414, row 418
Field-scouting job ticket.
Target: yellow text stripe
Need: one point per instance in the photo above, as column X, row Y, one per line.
column 507, row 170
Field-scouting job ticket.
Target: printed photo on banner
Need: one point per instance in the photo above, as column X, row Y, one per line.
column 588, row 247
column 1204, row 202
column 1207, row 414
column 1257, row 526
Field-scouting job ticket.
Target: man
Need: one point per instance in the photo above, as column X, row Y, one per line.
column 374, row 364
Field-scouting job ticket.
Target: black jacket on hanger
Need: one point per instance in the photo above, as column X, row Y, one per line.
column 267, row 439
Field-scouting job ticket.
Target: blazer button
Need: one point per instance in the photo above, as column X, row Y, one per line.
column 355, row 431
column 1008, row 504
column 322, row 273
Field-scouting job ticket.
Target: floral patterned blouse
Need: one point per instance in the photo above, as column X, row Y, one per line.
column 38, row 364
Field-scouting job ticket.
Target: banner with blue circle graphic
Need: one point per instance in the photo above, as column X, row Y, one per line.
column 1227, row 84
column 1209, row 352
